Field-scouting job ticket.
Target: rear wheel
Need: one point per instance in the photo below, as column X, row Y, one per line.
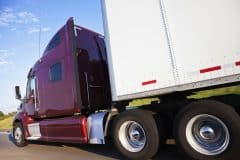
column 209, row 130
column 136, row 134
column 18, row 135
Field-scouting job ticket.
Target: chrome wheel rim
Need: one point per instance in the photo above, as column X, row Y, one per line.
column 18, row 135
column 132, row 136
column 207, row 134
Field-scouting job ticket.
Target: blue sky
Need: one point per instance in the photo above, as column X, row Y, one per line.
column 20, row 21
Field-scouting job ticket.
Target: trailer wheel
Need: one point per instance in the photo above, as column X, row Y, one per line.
column 209, row 130
column 136, row 134
column 18, row 135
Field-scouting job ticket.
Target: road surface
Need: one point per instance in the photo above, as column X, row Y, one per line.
column 55, row 151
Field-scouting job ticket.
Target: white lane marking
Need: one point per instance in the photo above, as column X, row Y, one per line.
column 4, row 133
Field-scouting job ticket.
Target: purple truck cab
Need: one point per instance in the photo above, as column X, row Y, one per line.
column 67, row 84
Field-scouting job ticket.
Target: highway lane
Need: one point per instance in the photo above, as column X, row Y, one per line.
column 56, row 151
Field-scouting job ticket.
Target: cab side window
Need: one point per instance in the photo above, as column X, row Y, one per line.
column 30, row 87
column 56, row 72
column 28, row 90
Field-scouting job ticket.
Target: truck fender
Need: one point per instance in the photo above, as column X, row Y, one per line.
column 95, row 126
column 113, row 113
column 21, row 118
column 98, row 125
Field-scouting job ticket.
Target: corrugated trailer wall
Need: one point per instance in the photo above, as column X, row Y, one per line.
column 155, row 45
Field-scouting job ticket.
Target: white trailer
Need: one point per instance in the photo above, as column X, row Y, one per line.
column 162, row 46
column 169, row 49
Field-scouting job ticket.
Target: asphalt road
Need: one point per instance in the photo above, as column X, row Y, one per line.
column 55, row 151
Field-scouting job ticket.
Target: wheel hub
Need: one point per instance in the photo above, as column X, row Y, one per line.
column 18, row 134
column 132, row 136
column 135, row 135
column 207, row 133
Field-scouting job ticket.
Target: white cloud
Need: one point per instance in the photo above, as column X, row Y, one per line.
column 6, row 17
column 35, row 30
column 27, row 17
column 46, row 29
column 13, row 29
column 4, row 57
column 3, row 61
column 10, row 17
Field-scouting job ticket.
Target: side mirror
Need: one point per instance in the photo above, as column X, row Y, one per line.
column 18, row 93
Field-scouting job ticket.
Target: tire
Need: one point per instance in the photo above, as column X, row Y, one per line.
column 208, row 130
column 18, row 135
column 142, row 125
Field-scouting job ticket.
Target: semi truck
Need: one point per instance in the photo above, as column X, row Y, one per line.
column 183, row 56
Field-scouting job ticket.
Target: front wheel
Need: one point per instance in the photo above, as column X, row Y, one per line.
column 136, row 134
column 18, row 135
column 209, row 130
